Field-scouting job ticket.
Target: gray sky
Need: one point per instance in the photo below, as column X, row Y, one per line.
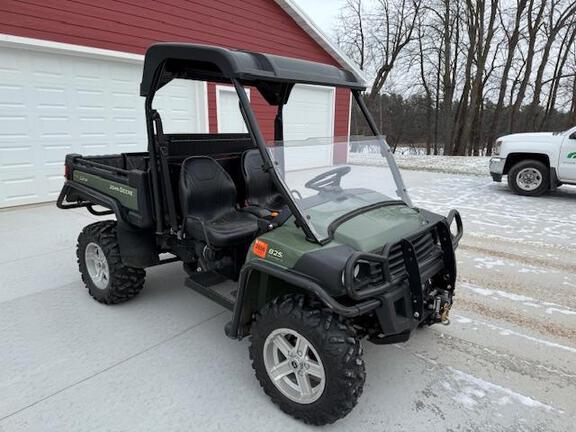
column 323, row 12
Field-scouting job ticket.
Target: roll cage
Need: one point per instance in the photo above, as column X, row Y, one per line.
column 273, row 76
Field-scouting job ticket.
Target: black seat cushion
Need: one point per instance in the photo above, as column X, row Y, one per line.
column 232, row 229
column 261, row 191
column 208, row 200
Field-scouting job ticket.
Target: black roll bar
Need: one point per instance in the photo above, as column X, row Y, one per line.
column 256, row 135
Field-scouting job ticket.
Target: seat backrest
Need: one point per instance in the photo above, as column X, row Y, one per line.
column 206, row 189
column 260, row 189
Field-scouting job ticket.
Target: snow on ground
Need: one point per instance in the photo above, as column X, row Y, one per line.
column 161, row 362
column 447, row 164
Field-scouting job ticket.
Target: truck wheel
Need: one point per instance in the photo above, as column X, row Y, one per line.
column 529, row 178
column 307, row 359
column 108, row 280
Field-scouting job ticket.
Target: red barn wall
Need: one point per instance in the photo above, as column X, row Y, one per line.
column 132, row 25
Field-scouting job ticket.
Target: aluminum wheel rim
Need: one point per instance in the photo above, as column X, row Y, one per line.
column 294, row 366
column 529, row 179
column 97, row 265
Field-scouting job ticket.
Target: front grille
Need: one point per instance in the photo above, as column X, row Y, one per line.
column 425, row 245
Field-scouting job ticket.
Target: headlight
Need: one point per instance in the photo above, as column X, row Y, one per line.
column 496, row 149
column 356, row 273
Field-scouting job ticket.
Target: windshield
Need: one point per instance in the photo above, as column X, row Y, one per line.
column 331, row 177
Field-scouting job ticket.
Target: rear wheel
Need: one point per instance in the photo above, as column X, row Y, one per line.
column 307, row 359
column 529, row 178
column 108, row 280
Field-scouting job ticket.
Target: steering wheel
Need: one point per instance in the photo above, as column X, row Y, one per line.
column 297, row 194
column 328, row 181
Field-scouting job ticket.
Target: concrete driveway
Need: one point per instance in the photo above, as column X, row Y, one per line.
column 161, row 362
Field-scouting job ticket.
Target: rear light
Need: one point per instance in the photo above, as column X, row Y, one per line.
column 66, row 172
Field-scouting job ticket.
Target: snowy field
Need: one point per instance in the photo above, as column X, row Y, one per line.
column 162, row 363
column 446, row 164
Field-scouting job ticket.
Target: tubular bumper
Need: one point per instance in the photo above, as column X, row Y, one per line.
column 407, row 296
column 442, row 257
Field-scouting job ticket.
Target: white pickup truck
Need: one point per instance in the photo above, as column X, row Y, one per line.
column 535, row 162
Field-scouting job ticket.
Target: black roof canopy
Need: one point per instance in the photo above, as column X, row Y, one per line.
column 210, row 63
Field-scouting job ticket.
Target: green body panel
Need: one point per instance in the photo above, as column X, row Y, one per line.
column 126, row 195
column 286, row 244
column 365, row 232
column 374, row 229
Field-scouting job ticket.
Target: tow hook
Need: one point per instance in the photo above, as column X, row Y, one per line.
column 444, row 314
column 442, row 306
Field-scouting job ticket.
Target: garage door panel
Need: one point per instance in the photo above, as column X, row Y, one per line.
column 49, row 98
column 53, row 104
column 16, row 188
column 51, row 127
column 48, row 155
column 13, row 128
column 179, row 113
column 12, row 66
column 125, row 125
column 309, row 115
column 53, row 184
column 90, row 99
column 16, row 157
column 45, row 66
column 229, row 117
column 12, row 97
column 89, row 72
column 121, row 74
column 121, row 100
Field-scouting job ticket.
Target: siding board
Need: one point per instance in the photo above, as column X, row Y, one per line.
column 132, row 25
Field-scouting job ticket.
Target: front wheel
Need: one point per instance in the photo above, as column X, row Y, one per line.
column 529, row 178
column 307, row 359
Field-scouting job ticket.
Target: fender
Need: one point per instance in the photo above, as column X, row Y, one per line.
column 137, row 245
column 236, row 329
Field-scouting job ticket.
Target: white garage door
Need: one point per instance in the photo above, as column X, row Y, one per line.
column 229, row 118
column 52, row 104
column 309, row 115
column 308, row 124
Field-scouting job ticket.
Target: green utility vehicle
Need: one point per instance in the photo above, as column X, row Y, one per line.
column 311, row 241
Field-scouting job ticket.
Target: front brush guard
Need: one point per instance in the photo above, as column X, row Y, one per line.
column 416, row 272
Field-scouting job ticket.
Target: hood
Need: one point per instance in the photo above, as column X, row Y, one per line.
column 366, row 232
column 539, row 137
column 371, row 230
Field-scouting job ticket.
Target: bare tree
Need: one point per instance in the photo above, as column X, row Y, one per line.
column 452, row 75
column 351, row 33
column 557, row 19
column 533, row 23
column 422, row 61
column 395, row 21
column 481, row 32
column 512, row 38
column 558, row 75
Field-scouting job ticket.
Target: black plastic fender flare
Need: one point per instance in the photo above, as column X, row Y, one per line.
column 136, row 249
column 234, row 328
